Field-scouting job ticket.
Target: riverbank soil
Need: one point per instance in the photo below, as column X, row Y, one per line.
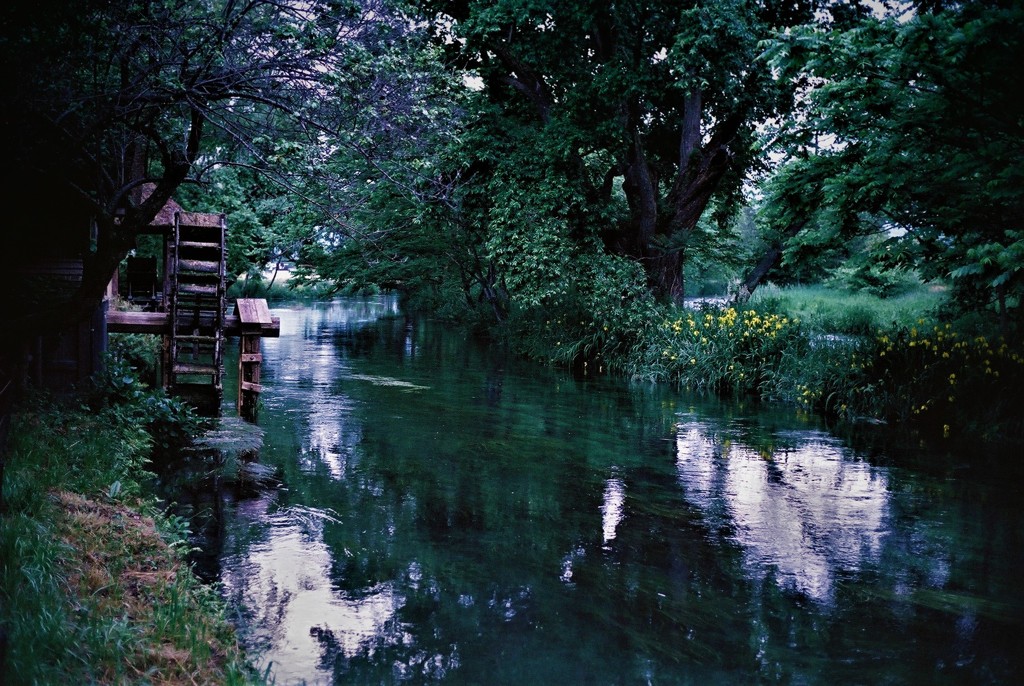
column 135, row 610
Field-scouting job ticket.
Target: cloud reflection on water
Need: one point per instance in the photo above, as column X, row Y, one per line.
column 802, row 513
column 284, row 580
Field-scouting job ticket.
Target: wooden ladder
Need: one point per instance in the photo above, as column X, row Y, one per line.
column 195, row 298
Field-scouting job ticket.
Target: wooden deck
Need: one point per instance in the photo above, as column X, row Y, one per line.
column 160, row 323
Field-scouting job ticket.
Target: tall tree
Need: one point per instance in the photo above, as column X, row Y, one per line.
column 349, row 206
column 104, row 99
column 639, row 113
column 913, row 121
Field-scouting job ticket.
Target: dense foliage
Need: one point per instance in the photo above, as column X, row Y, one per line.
column 607, row 130
column 551, row 172
column 910, row 128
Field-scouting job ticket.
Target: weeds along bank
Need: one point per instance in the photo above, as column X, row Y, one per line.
column 94, row 587
column 867, row 360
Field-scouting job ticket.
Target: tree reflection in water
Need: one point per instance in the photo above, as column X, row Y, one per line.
column 448, row 514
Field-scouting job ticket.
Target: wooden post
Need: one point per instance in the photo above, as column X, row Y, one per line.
column 253, row 315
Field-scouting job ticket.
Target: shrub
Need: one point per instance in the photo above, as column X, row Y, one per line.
column 721, row 349
column 170, row 422
column 139, row 352
column 593, row 323
column 940, row 381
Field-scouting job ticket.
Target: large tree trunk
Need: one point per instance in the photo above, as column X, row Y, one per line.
column 692, row 191
column 665, row 273
column 641, row 187
column 767, row 262
column 658, row 231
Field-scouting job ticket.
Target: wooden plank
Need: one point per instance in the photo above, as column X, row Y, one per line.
column 196, row 289
column 250, row 386
column 250, row 357
column 184, row 368
column 159, row 323
column 253, row 311
column 263, row 312
column 245, row 310
column 205, row 266
column 64, row 269
column 199, row 219
column 138, row 322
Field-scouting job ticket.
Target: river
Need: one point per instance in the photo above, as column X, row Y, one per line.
column 448, row 514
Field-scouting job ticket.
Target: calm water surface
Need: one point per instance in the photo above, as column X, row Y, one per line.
column 448, row 514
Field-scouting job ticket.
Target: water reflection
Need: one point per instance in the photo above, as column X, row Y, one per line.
column 450, row 515
column 300, row 623
column 806, row 512
column 611, row 507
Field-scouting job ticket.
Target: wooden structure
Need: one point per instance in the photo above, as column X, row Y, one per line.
column 259, row 324
column 193, row 295
column 187, row 308
column 180, row 286
column 253, row 316
column 160, row 322
column 65, row 359
column 141, row 283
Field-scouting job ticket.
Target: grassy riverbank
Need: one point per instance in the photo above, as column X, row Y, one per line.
column 94, row 587
column 845, row 355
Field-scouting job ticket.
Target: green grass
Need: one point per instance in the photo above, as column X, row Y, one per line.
column 830, row 310
column 93, row 583
column 847, row 356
